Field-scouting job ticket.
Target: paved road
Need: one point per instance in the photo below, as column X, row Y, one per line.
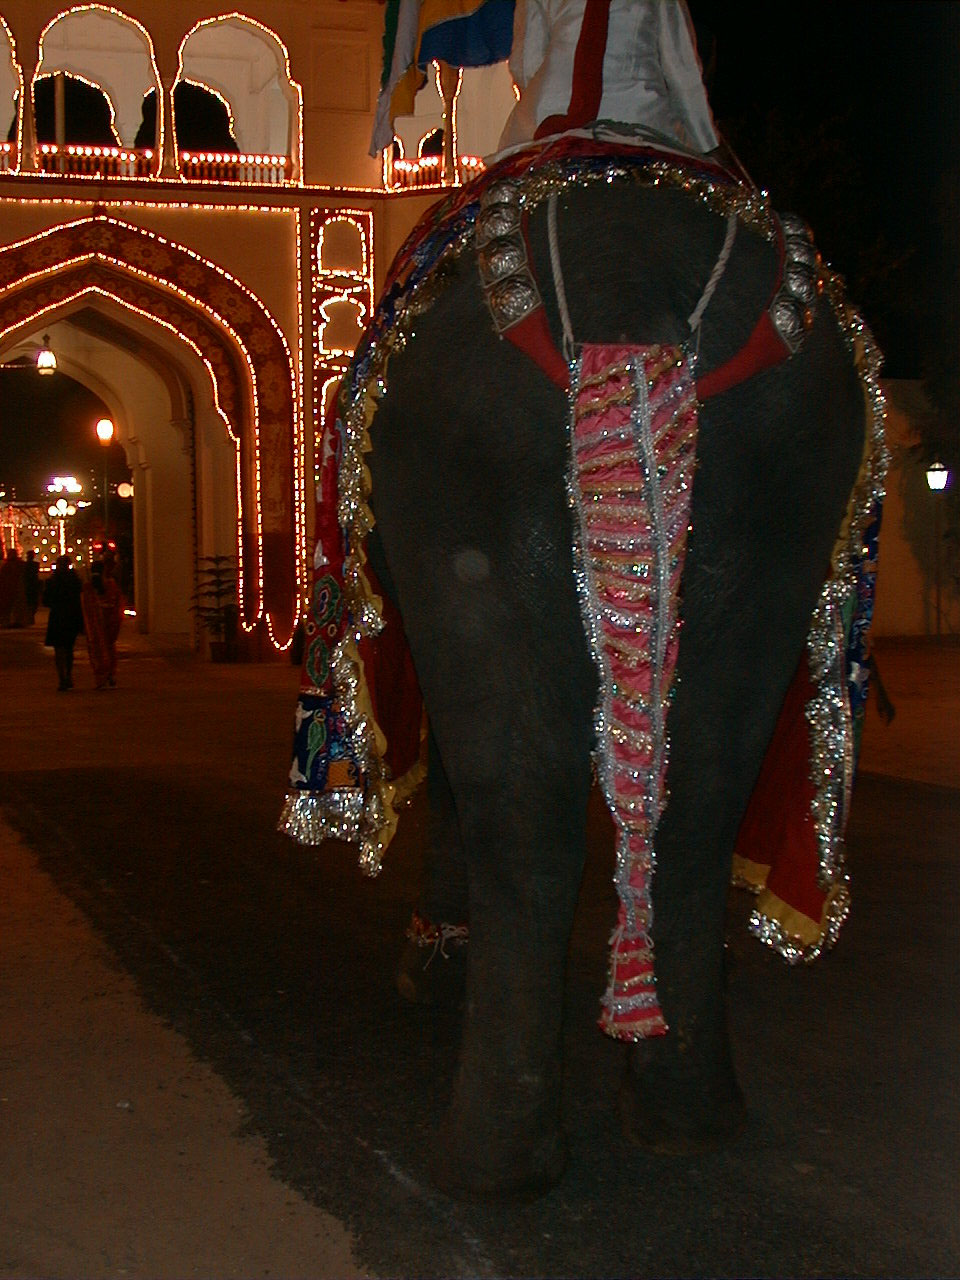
column 152, row 808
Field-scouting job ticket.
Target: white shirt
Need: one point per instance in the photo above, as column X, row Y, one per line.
column 651, row 74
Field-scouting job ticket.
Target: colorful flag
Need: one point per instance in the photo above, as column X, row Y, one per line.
column 463, row 33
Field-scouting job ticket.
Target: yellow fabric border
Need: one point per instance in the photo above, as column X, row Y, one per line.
column 798, row 927
column 749, row 875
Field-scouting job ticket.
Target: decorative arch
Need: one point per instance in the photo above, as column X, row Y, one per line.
column 245, row 354
column 341, row 324
column 203, row 120
column 123, row 69
column 11, row 94
column 431, row 144
column 269, row 119
column 83, row 100
column 342, row 271
column 343, row 247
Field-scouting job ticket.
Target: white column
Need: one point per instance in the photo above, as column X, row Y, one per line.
column 170, row 152
column 29, row 154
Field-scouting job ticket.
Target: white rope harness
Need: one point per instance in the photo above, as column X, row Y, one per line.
column 696, row 315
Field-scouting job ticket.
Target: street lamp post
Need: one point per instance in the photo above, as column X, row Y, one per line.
column 59, row 511
column 938, row 479
column 105, row 436
column 63, row 507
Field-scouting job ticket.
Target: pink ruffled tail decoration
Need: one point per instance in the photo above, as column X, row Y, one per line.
column 633, row 441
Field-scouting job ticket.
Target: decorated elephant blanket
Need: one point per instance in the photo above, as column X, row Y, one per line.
column 633, row 421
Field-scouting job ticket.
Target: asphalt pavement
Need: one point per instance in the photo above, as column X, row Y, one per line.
column 141, row 838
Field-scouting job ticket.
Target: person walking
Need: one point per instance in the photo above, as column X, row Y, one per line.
column 102, row 602
column 13, row 599
column 62, row 596
column 31, row 585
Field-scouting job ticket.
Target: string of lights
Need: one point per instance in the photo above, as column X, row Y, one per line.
column 233, row 332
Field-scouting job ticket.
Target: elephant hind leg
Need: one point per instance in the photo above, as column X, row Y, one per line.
column 519, row 771
column 433, row 961
column 680, row 1094
column 501, row 1137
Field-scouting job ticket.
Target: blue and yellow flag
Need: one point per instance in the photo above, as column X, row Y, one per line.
column 463, row 33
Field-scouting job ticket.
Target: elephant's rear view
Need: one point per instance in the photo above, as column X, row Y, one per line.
column 624, row 469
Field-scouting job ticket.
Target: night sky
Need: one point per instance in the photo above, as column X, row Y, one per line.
column 847, row 111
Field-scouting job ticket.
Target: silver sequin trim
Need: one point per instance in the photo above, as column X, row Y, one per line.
column 828, row 711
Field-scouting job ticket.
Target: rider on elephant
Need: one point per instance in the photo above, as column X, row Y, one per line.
column 576, row 61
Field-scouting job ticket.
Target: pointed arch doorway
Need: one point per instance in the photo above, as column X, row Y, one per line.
column 229, row 383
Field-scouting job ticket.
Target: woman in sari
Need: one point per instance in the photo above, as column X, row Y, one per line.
column 103, row 612
column 13, row 593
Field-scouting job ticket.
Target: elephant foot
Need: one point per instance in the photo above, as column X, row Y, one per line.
column 682, row 1111
column 432, row 964
column 517, row 1176
column 665, row 1132
column 501, row 1138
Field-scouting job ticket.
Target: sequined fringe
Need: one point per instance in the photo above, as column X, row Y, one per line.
column 366, row 818
column 828, row 711
column 312, row 817
column 772, row 933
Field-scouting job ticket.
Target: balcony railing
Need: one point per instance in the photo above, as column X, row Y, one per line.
column 76, row 161
column 404, row 175
column 227, row 166
column 95, row 162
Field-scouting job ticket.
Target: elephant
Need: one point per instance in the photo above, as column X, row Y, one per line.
column 470, row 528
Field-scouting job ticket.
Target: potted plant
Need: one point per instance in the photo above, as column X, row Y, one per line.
column 215, row 605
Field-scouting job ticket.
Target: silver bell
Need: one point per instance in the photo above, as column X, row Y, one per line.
column 500, row 258
column 801, row 280
column 788, row 319
column 503, row 191
column 795, row 228
column 801, row 251
column 512, row 299
column 497, row 220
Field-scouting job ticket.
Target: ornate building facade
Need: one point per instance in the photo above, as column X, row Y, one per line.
column 209, row 297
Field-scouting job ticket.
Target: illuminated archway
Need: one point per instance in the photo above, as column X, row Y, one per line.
column 11, row 89
column 341, row 251
column 101, row 46
column 242, row 348
column 247, row 65
column 160, row 398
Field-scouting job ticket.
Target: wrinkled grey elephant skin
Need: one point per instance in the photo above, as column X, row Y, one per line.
column 469, row 454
